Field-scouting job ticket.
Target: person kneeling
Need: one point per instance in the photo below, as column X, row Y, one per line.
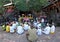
column 7, row 28
column 31, row 35
column 47, row 29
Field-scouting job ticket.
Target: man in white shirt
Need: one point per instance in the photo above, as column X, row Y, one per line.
column 47, row 29
column 35, row 24
column 20, row 29
column 14, row 25
column 38, row 25
column 11, row 29
column 39, row 31
column 26, row 26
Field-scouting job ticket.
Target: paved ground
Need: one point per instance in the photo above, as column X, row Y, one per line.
column 7, row 37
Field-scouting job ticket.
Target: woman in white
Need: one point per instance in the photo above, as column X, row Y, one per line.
column 26, row 26
column 39, row 31
column 52, row 28
column 20, row 29
column 47, row 29
column 14, row 25
column 11, row 29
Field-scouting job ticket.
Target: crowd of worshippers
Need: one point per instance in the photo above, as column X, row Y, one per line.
column 33, row 28
column 20, row 28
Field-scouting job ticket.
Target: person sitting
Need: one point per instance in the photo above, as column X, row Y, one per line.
column 31, row 35
column 47, row 29
column 38, row 25
column 11, row 29
column 35, row 24
column 14, row 25
column 29, row 26
column 39, row 31
column 26, row 26
column 7, row 28
column 17, row 23
column 52, row 28
column 20, row 29
column 42, row 23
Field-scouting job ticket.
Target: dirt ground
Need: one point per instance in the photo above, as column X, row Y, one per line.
column 7, row 37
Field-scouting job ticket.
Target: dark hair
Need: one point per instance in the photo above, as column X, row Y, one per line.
column 10, row 24
column 7, row 23
column 32, row 26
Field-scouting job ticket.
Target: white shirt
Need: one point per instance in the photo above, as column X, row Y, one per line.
column 11, row 29
column 47, row 30
column 25, row 26
column 35, row 24
column 39, row 25
column 52, row 28
column 39, row 32
column 20, row 29
column 14, row 26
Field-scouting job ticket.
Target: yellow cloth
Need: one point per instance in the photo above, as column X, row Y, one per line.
column 7, row 28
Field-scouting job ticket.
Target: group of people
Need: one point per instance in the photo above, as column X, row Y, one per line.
column 21, row 27
column 38, row 29
column 15, row 27
column 34, row 29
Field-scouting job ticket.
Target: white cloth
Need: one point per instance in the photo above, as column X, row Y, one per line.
column 52, row 29
column 14, row 26
column 11, row 29
column 39, row 25
column 20, row 30
column 47, row 30
column 26, row 27
column 39, row 32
